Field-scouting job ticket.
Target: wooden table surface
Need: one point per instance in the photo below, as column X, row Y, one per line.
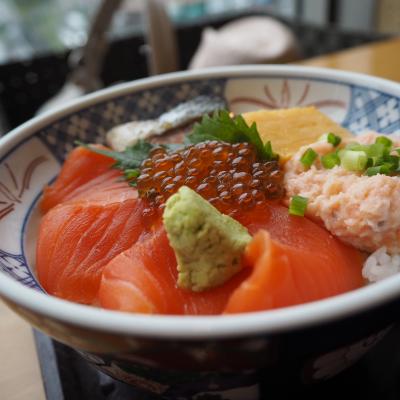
column 20, row 377
column 380, row 59
column 19, row 371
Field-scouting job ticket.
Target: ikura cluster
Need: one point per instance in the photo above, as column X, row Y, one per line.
column 228, row 175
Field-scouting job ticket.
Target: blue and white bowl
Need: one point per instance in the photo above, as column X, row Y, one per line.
column 184, row 356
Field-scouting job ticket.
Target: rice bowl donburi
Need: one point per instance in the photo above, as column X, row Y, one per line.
column 224, row 222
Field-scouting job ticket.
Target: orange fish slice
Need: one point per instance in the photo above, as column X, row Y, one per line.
column 284, row 275
column 143, row 279
column 80, row 167
column 78, row 238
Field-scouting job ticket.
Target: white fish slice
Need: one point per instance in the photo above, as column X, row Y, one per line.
column 125, row 135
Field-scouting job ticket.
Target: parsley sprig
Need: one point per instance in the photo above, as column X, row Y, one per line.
column 130, row 159
column 220, row 126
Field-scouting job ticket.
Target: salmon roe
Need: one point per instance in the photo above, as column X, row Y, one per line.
column 228, row 175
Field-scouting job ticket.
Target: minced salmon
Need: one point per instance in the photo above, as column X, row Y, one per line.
column 362, row 211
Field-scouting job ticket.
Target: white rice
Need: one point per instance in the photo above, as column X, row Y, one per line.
column 380, row 265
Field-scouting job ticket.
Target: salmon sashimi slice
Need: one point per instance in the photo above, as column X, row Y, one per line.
column 143, row 280
column 298, row 232
column 284, row 275
column 79, row 237
column 81, row 167
column 302, row 263
column 294, row 262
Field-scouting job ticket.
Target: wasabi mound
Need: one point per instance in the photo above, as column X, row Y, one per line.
column 208, row 244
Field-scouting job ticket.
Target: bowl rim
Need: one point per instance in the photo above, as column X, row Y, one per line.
column 199, row 327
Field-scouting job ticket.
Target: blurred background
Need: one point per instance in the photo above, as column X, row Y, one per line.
column 64, row 48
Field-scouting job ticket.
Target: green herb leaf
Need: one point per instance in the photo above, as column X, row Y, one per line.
column 130, row 159
column 298, row 206
column 224, row 128
column 308, row 157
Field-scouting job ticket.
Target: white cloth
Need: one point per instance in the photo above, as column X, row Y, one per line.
column 250, row 40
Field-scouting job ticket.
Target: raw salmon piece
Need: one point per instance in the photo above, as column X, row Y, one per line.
column 78, row 238
column 80, row 167
column 289, row 271
column 143, row 280
column 284, row 275
column 298, row 232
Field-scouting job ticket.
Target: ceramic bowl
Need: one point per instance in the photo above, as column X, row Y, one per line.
column 184, row 356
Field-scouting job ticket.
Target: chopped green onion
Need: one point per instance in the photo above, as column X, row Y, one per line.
column 308, row 157
column 371, row 150
column 353, row 160
column 381, row 169
column 354, row 146
column 330, row 160
column 376, row 158
column 330, row 138
column 333, row 139
column 298, row 206
column 323, row 138
column 377, row 150
column 384, row 140
column 385, row 159
column 376, row 161
column 393, row 160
